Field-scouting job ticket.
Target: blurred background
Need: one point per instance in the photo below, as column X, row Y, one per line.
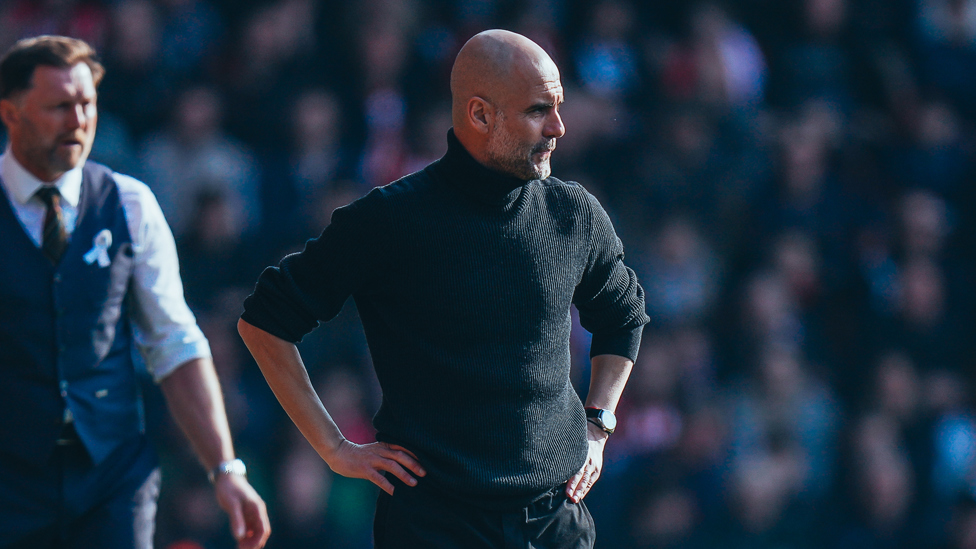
column 793, row 182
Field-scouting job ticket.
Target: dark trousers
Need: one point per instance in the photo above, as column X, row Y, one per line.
column 70, row 503
column 416, row 517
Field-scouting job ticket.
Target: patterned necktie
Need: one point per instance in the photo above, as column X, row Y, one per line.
column 55, row 239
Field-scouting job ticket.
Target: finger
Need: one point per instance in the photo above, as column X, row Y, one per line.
column 401, row 449
column 249, row 541
column 594, row 476
column 407, row 459
column 583, row 486
column 398, row 471
column 258, row 527
column 256, row 514
column 378, row 479
column 574, row 482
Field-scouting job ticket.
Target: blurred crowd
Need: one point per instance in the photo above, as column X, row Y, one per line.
column 793, row 183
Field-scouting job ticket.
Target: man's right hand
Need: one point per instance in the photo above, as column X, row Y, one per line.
column 282, row 366
column 246, row 510
column 369, row 461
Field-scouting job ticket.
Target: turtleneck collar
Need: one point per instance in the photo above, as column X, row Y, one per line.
column 476, row 180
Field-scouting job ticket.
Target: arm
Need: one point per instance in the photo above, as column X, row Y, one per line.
column 608, row 375
column 282, row 366
column 611, row 307
column 178, row 356
column 194, row 399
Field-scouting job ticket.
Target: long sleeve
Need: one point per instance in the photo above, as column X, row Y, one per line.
column 311, row 286
column 609, row 299
column 165, row 330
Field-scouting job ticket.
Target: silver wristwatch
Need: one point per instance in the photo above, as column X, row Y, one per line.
column 604, row 419
column 232, row 467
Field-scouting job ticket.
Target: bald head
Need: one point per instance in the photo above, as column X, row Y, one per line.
column 490, row 60
column 498, row 77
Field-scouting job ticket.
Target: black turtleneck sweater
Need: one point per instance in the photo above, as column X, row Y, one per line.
column 464, row 278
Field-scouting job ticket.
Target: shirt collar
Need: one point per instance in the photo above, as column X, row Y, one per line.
column 22, row 185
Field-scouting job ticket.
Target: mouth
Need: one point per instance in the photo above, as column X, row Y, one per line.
column 71, row 140
column 545, row 152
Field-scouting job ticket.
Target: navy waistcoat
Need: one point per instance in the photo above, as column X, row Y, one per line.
column 65, row 338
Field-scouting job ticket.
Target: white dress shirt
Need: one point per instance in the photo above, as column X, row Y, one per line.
column 164, row 329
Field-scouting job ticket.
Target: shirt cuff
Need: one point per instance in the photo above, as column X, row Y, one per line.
column 167, row 356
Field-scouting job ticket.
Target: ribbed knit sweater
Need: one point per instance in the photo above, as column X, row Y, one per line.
column 464, row 278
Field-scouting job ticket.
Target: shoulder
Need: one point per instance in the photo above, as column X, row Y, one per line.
column 409, row 188
column 131, row 188
column 143, row 215
column 566, row 194
column 554, row 185
column 134, row 194
column 100, row 174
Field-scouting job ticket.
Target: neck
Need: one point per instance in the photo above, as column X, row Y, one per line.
column 475, row 179
column 472, row 145
column 45, row 176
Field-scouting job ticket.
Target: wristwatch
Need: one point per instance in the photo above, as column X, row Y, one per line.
column 603, row 419
column 232, row 467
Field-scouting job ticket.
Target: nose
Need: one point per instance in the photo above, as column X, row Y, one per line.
column 79, row 117
column 554, row 127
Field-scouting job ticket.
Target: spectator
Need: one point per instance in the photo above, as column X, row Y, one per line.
column 194, row 154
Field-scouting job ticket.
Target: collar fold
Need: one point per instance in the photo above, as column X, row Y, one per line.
column 476, row 180
column 22, row 185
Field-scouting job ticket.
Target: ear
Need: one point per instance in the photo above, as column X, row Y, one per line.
column 9, row 113
column 481, row 115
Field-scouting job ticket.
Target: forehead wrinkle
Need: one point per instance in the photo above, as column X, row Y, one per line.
column 55, row 82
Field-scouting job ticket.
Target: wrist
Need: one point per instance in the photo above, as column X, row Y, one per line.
column 226, row 468
column 595, row 434
column 334, row 449
column 602, row 418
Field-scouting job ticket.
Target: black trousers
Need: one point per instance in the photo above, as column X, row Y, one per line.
column 70, row 503
column 417, row 517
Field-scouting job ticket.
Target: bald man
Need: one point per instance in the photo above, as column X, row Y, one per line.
column 464, row 274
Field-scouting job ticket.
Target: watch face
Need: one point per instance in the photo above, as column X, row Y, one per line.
column 602, row 418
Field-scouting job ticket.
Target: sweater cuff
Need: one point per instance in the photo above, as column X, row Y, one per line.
column 287, row 327
column 624, row 342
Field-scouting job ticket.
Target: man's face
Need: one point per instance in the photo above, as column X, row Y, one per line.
column 527, row 125
column 52, row 124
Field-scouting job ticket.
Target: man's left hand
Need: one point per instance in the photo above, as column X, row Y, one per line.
column 246, row 510
column 580, row 483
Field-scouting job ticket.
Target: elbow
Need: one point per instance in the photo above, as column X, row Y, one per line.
column 245, row 329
